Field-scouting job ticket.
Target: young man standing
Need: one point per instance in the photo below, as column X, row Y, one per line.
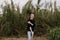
column 30, row 27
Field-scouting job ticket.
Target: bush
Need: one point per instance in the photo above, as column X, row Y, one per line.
column 54, row 34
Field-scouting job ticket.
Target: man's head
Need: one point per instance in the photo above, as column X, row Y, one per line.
column 31, row 16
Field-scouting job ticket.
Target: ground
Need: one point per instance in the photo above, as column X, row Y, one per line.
column 35, row 38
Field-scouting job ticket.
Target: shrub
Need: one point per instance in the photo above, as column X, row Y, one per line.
column 54, row 34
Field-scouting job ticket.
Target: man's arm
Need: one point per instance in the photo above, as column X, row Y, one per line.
column 30, row 29
column 30, row 23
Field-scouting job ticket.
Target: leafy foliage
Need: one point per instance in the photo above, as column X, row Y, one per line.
column 54, row 34
column 13, row 23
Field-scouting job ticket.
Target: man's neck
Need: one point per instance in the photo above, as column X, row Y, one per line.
column 31, row 19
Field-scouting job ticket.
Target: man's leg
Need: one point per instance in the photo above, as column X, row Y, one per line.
column 29, row 35
column 32, row 35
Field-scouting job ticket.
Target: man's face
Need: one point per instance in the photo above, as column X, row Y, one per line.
column 32, row 16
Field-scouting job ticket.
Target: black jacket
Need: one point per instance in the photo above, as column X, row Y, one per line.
column 29, row 25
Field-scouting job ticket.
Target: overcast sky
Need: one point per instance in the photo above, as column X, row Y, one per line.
column 23, row 2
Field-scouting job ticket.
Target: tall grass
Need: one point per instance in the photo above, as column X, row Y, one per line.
column 13, row 23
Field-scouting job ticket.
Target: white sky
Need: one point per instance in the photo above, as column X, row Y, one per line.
column 23, row 2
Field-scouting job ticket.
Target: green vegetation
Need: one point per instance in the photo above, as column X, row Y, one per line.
column 13, row 23
column 54, row 34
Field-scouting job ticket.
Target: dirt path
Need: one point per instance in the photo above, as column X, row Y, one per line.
column 35, row 38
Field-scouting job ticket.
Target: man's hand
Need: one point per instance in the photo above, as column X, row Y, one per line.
column 30, row 23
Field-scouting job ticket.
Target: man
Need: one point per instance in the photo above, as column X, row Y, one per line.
column 30, row 27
